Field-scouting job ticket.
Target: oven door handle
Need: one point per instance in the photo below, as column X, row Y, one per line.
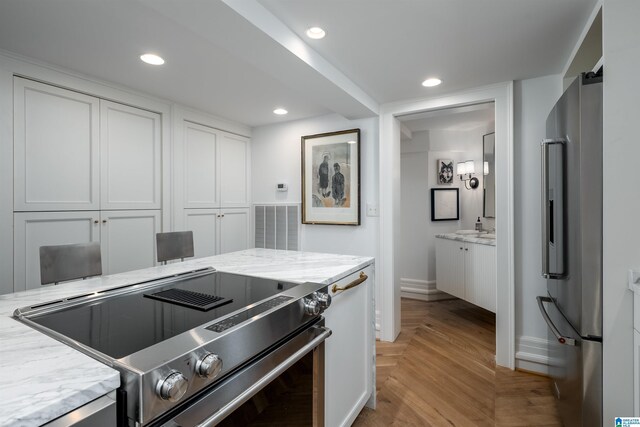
column 226, row 397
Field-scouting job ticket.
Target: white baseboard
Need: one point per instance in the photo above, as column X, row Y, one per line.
column 532, row 354
column 424, row 290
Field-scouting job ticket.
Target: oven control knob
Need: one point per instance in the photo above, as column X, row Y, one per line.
column 312, row 307
column 324, row 299
column 173, row 387
column 209, row 366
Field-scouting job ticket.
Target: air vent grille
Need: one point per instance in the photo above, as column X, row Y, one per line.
column 191, row 299
column 277, row 227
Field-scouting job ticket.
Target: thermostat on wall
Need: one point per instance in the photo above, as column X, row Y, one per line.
column 282, row 187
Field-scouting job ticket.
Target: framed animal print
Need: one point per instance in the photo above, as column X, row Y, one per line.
column 445, row 171
column 331, row 178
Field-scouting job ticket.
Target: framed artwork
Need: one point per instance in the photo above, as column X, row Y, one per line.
column 445, row 171
column 445, row 204
column 331, row 178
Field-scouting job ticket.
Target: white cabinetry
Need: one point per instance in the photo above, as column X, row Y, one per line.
column 468, row 271
column 202, row 189
column 450, row 273
column 215, row 168
column 56, row 143
column 130, row 157
column 218, row 231
column 234, row 154
column 212, row 173
column 349, row 351
column 127, row 239
column 85, row 169
column 35, row 229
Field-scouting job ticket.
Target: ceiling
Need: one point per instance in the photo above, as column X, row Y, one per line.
column 220, row 62
column 455, row 119
column 390, row 46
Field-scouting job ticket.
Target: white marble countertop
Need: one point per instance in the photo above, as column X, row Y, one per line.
column 41, row 378
column 467, row 238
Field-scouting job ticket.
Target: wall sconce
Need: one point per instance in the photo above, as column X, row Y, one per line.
column 467, row 168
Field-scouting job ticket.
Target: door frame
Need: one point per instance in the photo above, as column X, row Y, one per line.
column 388, row 294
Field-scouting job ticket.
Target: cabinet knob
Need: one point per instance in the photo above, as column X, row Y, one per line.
column 95, row 221
column 104, row 221
column 466, row 249
column 461, row 248
column 222, row 215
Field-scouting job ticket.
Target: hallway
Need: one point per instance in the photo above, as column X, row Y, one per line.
column 441, row 371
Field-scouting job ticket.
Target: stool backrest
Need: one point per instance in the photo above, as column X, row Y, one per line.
column 68, row 262
column 174, row 245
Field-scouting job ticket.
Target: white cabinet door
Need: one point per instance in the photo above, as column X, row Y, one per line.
column 202, row 185
column 480, row 274
column 128, row 239
column 56, row 144
column 35, row 229
column 234, row 154
column 349, row 351
column 450, row 271
column 234, row 230
column 204, row 224
column 130, row 157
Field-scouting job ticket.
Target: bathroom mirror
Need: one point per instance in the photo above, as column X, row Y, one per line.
column 489, row 175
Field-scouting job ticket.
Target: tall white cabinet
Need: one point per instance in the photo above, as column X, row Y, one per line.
column 85, row 169
column 215, row 188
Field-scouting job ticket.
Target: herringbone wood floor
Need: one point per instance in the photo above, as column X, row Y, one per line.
column 441, row 372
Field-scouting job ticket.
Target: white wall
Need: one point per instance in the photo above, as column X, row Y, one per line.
column 533, row 100
column 621, row 199
column 276, row 158
column 415, row 260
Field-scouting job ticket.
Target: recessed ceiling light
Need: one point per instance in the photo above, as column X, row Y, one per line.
column 351, row 142
column 280, row 111
column 152, row 59
column 431, row 82
column 316, row 33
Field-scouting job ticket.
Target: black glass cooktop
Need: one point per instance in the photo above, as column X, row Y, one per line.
column 122, row 325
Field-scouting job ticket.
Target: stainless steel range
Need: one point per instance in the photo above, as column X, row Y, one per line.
column 193, row 348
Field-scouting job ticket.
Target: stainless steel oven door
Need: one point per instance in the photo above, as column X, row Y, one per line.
column 246, row 396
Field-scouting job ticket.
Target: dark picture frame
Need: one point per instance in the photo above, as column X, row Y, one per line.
column 331, row 178
column 445, row 204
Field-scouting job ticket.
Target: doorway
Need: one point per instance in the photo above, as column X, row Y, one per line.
column 390, row 290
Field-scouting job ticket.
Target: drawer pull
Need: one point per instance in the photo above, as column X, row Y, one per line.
column 363, row 278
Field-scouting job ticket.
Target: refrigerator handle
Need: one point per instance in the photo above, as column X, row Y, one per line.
column 548, row 228
column 561, row 338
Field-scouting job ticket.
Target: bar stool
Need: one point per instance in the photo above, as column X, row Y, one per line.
column 174, row 245
column 67, row 262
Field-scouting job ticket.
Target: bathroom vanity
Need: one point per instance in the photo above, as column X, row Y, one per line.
column 466, row 267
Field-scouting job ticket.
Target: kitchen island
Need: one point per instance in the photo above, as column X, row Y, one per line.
column 42, row 379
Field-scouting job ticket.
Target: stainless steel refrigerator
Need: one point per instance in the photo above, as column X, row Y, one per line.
column 572, row 249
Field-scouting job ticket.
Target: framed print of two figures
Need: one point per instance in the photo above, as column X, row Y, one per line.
column 331, row 178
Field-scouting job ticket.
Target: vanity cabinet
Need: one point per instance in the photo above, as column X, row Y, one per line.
column 467, row 271
column 350, row 350
column 127, row 239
